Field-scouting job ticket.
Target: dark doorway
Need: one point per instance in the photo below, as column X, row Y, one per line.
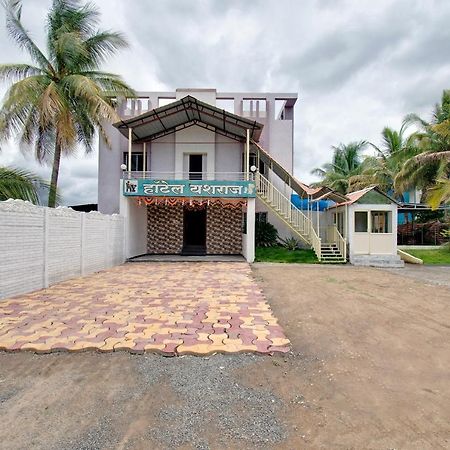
column 194, row 239
column 195, row 167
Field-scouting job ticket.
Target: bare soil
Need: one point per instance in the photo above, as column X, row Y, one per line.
column 369, row 368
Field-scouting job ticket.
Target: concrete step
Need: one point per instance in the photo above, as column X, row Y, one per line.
column 377, row 260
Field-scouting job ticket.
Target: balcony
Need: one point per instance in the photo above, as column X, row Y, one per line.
column 209, row 176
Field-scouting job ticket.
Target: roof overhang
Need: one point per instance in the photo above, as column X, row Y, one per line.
column 185, row 113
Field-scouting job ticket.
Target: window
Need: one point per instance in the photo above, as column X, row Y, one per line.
column 195, row 167
column 137, row 161
column 361, row 221
column 381, row 222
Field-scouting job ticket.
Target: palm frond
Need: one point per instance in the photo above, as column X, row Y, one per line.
column 103, row 45
column 438, row 194
column 414, row 119
column 16, row 72
column 20, row 184
column 13, row 10
column 424, row 158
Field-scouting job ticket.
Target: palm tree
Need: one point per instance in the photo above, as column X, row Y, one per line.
column 63, row 99
column 396, row 147
column 20, row 184
column 440, row 193
column 346, row 163
column 432, row 159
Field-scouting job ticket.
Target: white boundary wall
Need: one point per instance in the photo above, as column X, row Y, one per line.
column 40, row 246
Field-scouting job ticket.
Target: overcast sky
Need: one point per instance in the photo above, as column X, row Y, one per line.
column 356, row 65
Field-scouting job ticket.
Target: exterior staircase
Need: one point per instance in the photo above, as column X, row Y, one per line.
column 330, row 253
column 333, row 251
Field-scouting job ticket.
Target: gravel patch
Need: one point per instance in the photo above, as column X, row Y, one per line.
column 98, row 437
column 212, row 400
column 7, row 394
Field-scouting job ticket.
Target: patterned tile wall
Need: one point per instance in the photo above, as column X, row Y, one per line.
column 223, row 230
column 165, row 229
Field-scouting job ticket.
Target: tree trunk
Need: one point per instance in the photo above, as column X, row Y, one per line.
column 55, row 173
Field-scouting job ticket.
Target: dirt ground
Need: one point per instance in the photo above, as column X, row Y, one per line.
column 369, row 368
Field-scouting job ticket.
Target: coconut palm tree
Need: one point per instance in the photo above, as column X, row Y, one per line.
column 396, row 147
column 346, row 163
column 62, row 99
column 20, row 184
column 432, row 159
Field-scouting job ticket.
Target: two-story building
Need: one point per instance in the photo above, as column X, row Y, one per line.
column 185, row 159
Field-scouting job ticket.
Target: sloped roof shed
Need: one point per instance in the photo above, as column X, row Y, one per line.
column 184, row 113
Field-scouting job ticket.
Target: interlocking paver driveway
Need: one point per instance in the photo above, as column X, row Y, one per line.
column 173, row 308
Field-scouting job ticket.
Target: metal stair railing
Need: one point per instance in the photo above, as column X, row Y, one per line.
column 289, row 213
column 335, row 237
column 341, row 243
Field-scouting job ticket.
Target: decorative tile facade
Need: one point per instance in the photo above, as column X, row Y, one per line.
column 165, row 229
column 223, row 230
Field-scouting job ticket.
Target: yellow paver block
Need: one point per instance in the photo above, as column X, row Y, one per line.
column 281, row 342
column 109, row 344
column 36, row 347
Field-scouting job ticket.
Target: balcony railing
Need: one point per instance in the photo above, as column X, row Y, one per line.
column 155, row 175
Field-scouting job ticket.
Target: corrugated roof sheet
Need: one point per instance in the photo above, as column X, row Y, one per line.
column 186, row 112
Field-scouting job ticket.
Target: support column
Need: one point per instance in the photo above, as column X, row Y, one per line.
column 144, row 163
column 250, row 236
column 125, row 213
column 247, row 155
column 318, row 218
column 130, row 146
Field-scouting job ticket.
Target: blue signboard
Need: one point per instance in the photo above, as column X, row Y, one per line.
column 189, row 188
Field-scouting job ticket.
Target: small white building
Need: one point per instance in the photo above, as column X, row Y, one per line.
column 368, row 220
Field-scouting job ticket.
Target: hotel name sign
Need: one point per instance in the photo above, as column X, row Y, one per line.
column 189, row 188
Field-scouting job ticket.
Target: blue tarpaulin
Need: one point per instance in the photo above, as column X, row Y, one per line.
column 303, row 203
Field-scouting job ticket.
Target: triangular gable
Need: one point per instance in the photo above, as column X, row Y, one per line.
column 184, row 113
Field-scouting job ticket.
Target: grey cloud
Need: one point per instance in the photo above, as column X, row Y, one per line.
column 358, row 65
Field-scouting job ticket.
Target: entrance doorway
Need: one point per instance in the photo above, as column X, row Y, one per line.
column 195, row 167
column 194, row 237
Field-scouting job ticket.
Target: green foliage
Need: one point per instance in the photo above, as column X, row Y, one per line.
column 283, row 255
column 427, row 216
column 346, row 163
column 266, row 234
column 439, row 193
column 20, row 184
column 431, row 161
column 396, row 147
column 403, row 161
column 290, row 243
column 62, row 99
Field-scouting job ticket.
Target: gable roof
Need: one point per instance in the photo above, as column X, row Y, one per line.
column 353, row 197
column 184, row 113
